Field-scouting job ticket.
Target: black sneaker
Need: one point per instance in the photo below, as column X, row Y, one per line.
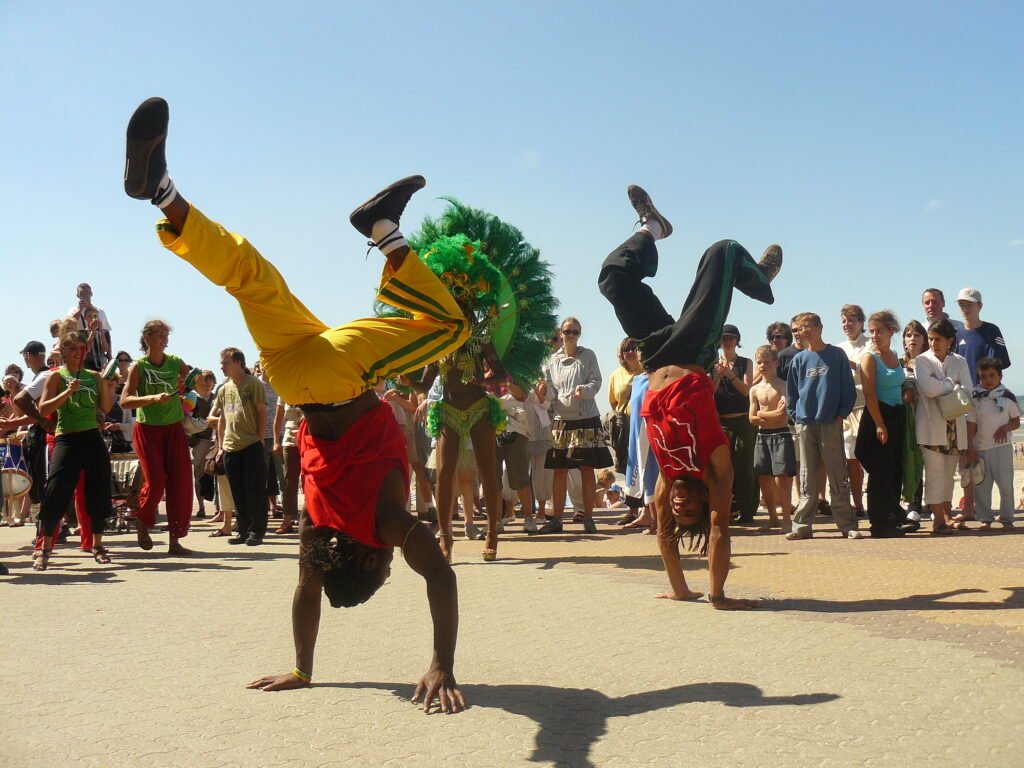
column 253, row 540
column 645, row 209
column 386, row 204
column 824, row 508
column 144, row 163
column 771, row 261
column 238, row 540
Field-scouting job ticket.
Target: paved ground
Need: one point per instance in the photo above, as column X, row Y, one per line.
column 875, row 653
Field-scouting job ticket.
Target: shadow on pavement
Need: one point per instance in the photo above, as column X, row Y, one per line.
column 931, row 602
column 57, row 576
column 626, row 562
column 572, row 720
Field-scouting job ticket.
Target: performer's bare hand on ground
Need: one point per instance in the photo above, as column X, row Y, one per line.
column 731, row 604
column 687, row 595
column 439, row 684
column 285, row 682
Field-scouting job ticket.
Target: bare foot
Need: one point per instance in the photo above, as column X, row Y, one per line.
column 175, row 548
column 445, row 541
column 218, row 518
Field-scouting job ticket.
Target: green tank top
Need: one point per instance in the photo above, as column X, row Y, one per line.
column 78, row 412
column 154, row 380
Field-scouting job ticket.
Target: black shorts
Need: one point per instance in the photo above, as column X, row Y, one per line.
column 775, row 453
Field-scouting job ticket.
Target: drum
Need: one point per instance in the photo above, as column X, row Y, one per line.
column 190, row 379
column 15, row 478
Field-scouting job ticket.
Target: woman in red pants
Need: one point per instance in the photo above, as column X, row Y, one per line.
column 153, row 388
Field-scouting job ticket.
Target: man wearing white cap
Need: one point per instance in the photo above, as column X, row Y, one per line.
column 977, row 338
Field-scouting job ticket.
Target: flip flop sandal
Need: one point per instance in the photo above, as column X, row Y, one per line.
column 490, row 555
column 100, row 555
column 145, row 163
column 218, row 533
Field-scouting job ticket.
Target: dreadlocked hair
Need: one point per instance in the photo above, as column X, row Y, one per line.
column 699, row 533
column 347, row 582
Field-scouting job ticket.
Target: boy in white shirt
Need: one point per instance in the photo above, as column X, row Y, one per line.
column 996, row 415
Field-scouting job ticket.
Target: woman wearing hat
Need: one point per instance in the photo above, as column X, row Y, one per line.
column 732, row 378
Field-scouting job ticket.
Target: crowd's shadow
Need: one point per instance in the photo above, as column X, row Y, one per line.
column 572, row 720
column 625, row 562
column 928, row 602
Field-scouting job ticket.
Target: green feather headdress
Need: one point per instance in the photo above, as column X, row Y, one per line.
column 498, row 278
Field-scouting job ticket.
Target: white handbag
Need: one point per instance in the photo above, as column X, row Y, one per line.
column 955, row 404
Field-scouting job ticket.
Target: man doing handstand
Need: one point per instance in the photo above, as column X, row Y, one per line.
column 694, row 490
column 353, row 453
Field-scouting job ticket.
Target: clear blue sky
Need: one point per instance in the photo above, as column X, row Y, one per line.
column 879, row 143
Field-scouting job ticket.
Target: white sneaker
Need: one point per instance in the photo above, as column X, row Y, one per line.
column 854, row 535
column 529, row 525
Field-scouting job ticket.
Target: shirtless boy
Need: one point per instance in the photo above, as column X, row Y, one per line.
column 774, row 451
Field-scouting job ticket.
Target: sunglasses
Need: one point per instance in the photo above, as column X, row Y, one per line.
column 570, row 333
column 777, row 337
column 124, row 359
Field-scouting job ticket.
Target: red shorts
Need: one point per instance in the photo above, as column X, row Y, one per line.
column 342, row 478
column 683, row 426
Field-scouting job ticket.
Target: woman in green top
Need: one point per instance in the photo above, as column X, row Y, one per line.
column 80, row 398
column 154, row 384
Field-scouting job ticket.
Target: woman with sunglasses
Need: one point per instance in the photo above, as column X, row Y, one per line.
column 578, row 439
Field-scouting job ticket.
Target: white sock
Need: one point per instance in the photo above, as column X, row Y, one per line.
column 386, row 236
column 654, row 228
column 165, row 192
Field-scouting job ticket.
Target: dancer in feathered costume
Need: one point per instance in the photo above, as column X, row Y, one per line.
column 504, row 288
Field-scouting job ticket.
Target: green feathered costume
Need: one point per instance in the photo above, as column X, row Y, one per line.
column 501, row 282
column 503, row 285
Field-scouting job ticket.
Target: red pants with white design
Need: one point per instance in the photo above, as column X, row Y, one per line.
column 166, row 466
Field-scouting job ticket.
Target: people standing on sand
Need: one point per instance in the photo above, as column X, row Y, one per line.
column 989, row 433
column 76, row 396
column 774, row 452
column 936, row 373
column 915, row 341
column 240, row 406
column 731, row 378
column 153, row 389
column 883, row 427
column 353, row 454
column 578, row 440
column 820, row 394
column 694, row 489
column 851, row 318
column 620, row 388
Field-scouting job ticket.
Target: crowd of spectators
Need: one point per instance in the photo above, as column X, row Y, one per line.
column 889, row 432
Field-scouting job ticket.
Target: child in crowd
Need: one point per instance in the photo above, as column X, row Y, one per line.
column 820, row 394
column 609, row 493
column 774, row 451
column 995, row 416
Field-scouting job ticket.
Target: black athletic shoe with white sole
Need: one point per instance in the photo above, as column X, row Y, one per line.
column 387, row 204
column 645, row 209
column 144, row 163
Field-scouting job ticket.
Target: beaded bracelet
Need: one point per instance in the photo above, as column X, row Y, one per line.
column 301, row 675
